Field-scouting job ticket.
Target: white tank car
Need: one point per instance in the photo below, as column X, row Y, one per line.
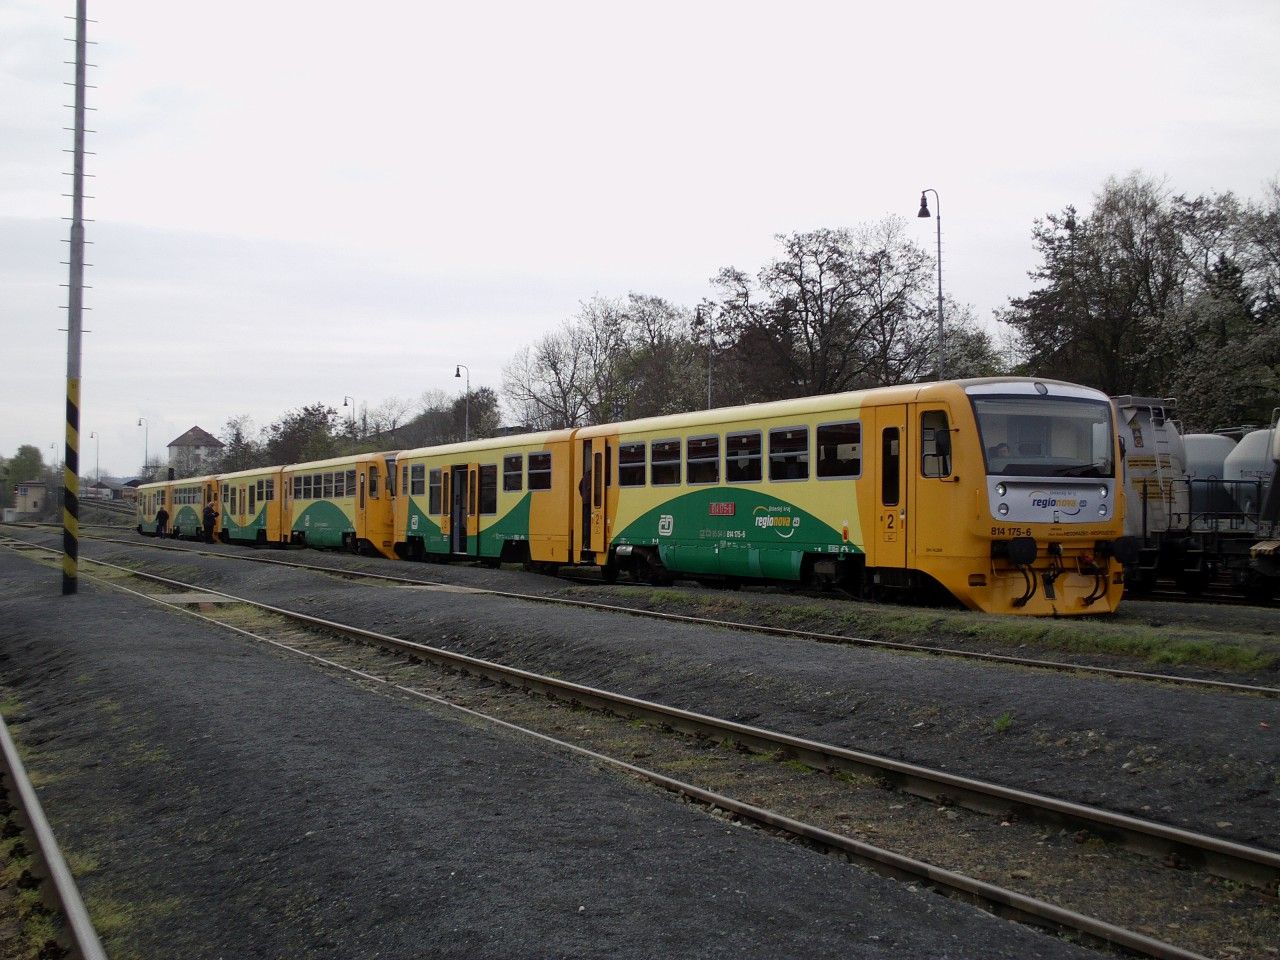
column 1156, row 492
column 1206, row 455
column 1249, row 471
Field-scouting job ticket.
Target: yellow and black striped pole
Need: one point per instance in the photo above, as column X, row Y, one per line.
column 75, row 307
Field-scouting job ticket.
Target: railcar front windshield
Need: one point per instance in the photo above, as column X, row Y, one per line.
column 1045, row 436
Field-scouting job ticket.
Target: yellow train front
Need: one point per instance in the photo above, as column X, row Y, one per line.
column 1002, row 493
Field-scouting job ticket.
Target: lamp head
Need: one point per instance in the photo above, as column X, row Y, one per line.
column 924, row 207
column 457, row 372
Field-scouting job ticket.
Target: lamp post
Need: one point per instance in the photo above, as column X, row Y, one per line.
column 466, row 421
column 924, row 212
column 350, row 401
column 97, row 460
column 701, row 324
column 146, row 441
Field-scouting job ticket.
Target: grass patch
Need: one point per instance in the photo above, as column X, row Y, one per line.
column 1124, row 636
column 1003, row 723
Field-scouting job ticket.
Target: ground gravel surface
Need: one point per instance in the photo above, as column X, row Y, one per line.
column 226, row 800
column 1206, row 761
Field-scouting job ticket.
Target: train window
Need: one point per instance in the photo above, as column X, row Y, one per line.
column 742, row 454
column 631, row 463
column 513, row 473
column 789, row 453
column 839, row 449
column 262, row 489
column 373, row 482
column 433, row 492
column 935, row 444
column 297, row 490
column 539, row 471
column 225, row 488
column 391, row 477
column 418, row 479
column 664, row 462
column 608, row 465
column 404, row 479
column 351, row 483
column 327, row 486
column 306, row 487
column 890, row 455
column 489, row 488
column 253, row 498
column 702, row 459
column 339, row 485
column 271, row 489
column 234, row 491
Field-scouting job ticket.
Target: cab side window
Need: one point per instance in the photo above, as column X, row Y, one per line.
column 935, row 444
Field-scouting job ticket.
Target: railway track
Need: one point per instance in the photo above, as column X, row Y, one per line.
column 77, row 935
column 1038, row 663
column 1241, row 863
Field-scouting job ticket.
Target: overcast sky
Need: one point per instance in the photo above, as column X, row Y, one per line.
column 297, row 202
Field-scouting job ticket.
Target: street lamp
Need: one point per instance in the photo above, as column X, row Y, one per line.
column 924, row 212
column 698, row 323
column 466, row 422
column 97, row 460
column 146, row 441
column 350, row 401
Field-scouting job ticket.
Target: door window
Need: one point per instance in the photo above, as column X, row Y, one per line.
column 890, row 460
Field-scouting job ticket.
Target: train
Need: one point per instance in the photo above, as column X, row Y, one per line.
column 1004, row 495
column 1203, row 508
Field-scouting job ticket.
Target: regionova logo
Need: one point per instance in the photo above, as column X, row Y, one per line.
column 778, row 519
column 1064, row 503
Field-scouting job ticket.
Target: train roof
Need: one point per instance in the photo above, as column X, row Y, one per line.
column 251, row 472
column 348, row 460
column 492, row 443
column 804, row 406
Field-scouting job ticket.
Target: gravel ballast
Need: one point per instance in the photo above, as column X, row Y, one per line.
column 1201, row 760
column 224, row 799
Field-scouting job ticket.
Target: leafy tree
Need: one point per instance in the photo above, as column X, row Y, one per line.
column 838, row 310
column 1110, row 281
column 303, row 435
column 241, row 451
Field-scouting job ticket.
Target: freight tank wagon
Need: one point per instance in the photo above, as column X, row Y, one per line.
column 1001, row 492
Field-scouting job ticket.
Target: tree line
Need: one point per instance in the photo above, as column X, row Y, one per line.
column 1145, row 292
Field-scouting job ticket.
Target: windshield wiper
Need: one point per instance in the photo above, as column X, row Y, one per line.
column 1084, row 470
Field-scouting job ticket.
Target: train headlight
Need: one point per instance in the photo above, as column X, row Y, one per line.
column 1003, row 509
column 1102, row 492
column 1001, row 489
column 1102, row 509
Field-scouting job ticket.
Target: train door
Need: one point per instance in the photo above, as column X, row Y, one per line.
column 458, row 509
column 891, row 487
column 934, row 493
column 584, row 502
column 595, row 481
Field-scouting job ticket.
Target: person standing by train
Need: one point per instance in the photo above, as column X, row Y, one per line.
column 210, row 518
column 162, row 522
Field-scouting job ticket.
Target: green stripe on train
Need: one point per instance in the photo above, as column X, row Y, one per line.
column 734, row 532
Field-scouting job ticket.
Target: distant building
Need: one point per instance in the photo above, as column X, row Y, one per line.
column 100, row 490
column 30, row 498
column 189, row 454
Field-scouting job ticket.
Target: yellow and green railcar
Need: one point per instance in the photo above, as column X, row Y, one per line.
column 252, row 506
column 1000, row 492
column 189, row 498
column 152, row 498
column 504, row 499
column 343, row 503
